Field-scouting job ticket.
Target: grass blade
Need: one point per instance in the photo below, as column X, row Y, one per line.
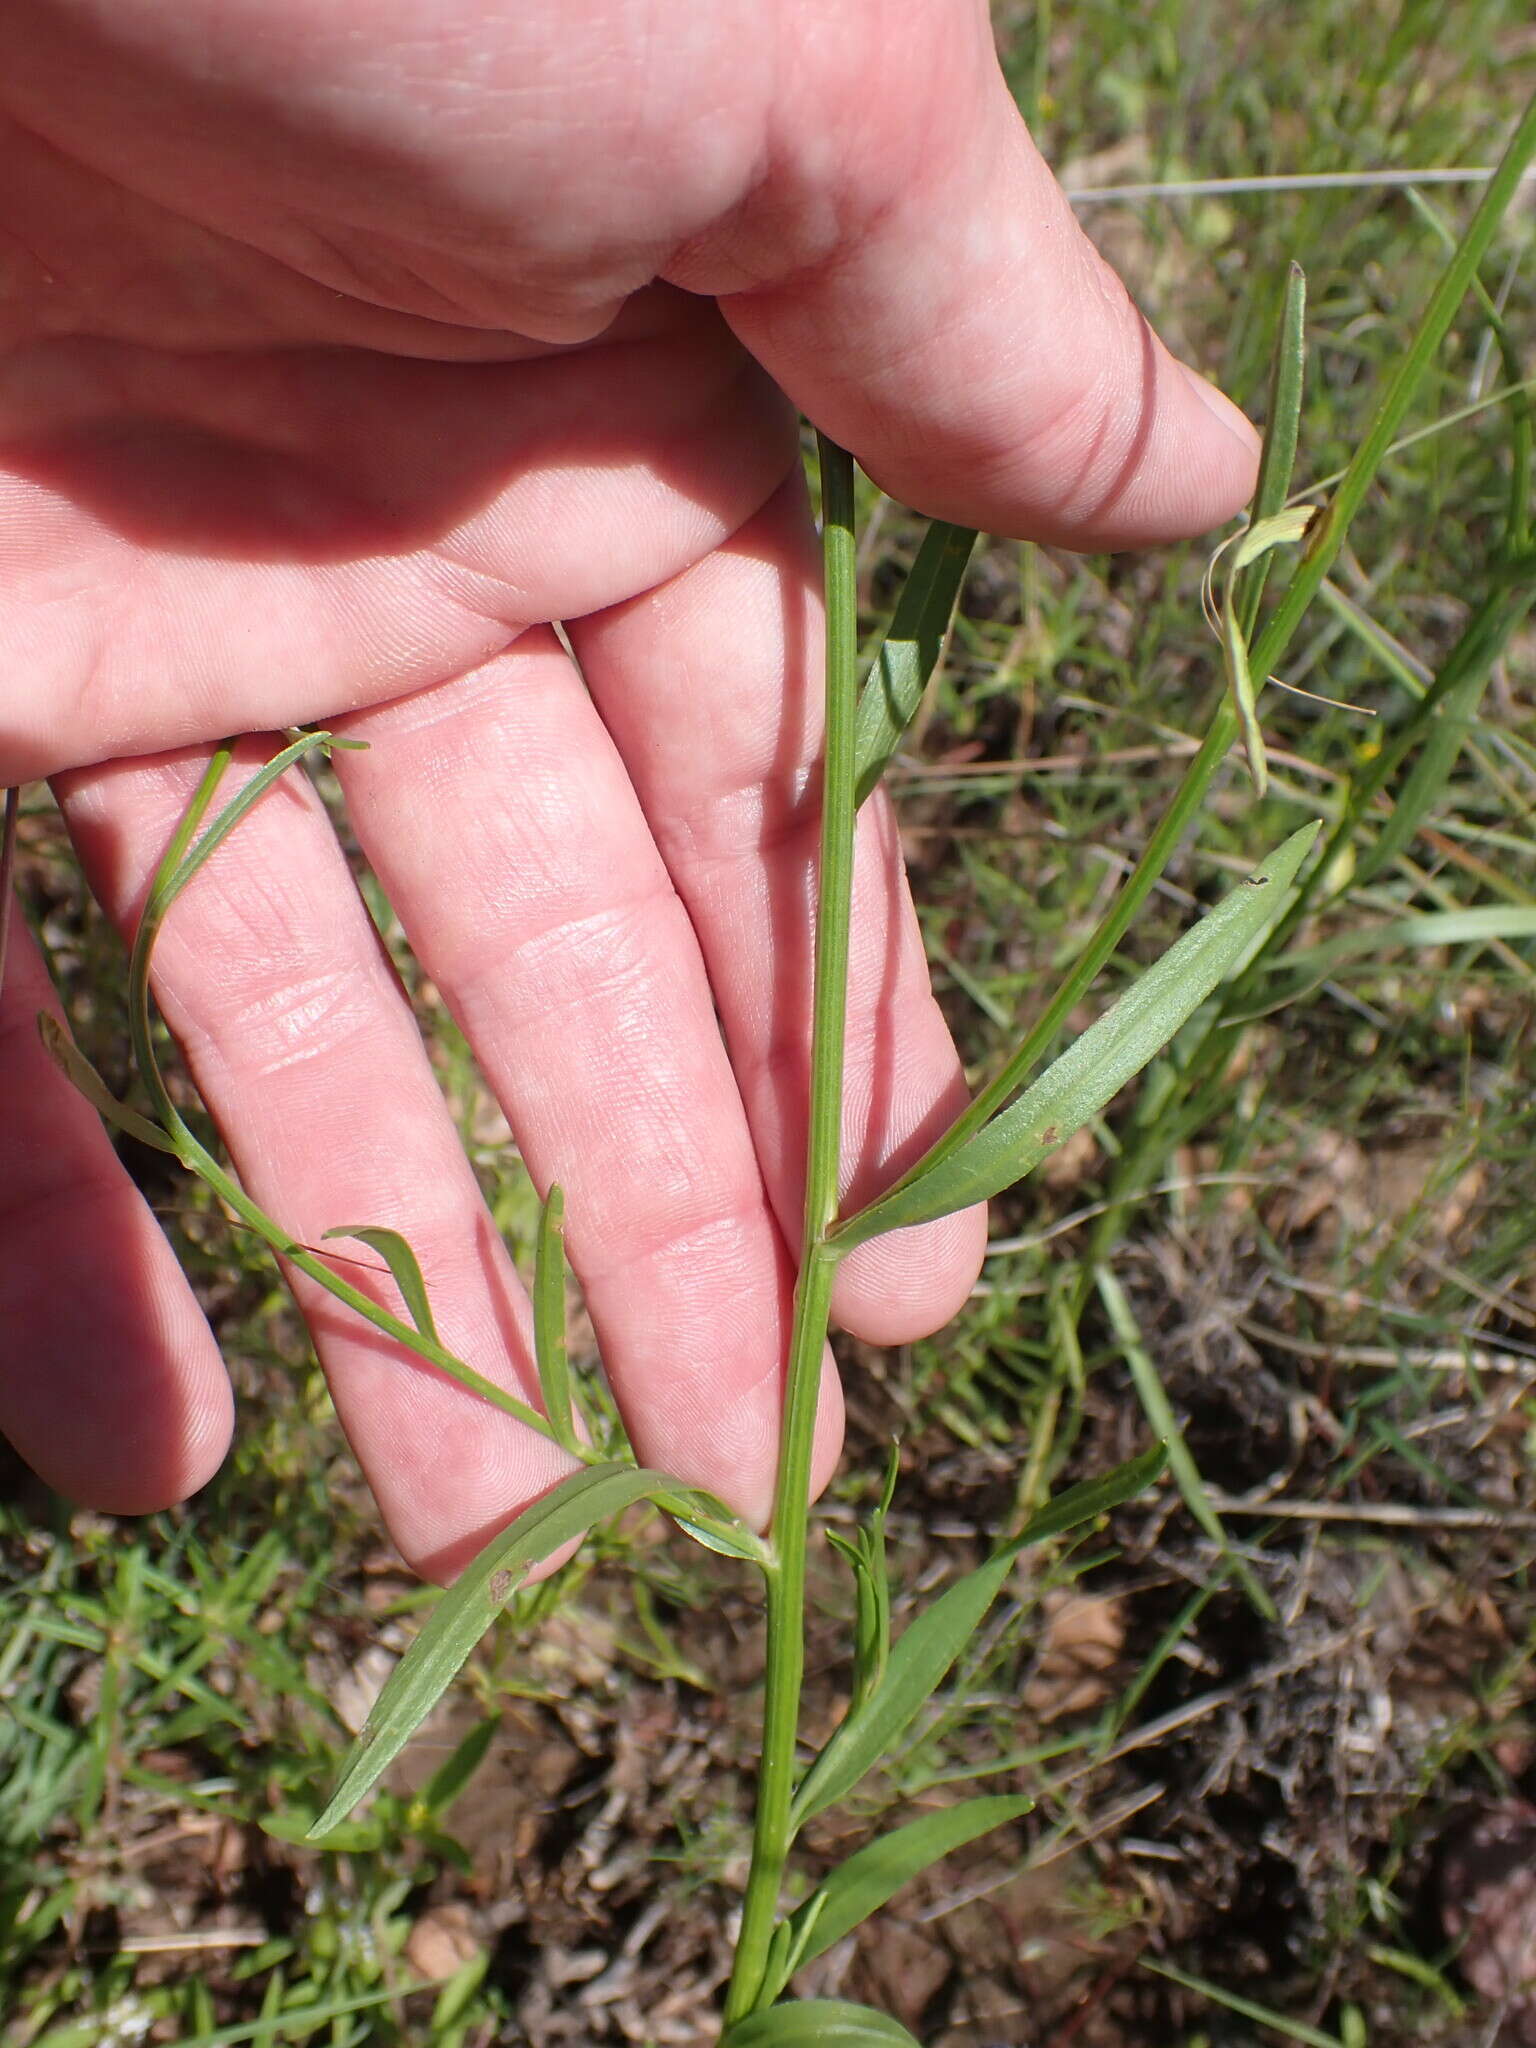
column 294, row 2025
column 77, row 1070
column 818, row 2023
column 1095, row 1067
column 1262, row 2015
column 1447, row 717
column 847, row 1896
column 921, row 1659
column 402, row 1262
column 549, row 1319
column 910, row 650
column 467, row 1610
column 1159, row 1412
column 454, row 1773
column 1517, row 524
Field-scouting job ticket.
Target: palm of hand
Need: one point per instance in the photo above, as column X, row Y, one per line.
column 301, row 417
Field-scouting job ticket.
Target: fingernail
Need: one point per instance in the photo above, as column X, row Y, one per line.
column 1221, row 409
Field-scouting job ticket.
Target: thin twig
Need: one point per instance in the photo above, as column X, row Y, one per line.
column 194, row 1939
column 1423, row 1358
column 1285, row 181
column 1183, row 1185
column 1387, row 1514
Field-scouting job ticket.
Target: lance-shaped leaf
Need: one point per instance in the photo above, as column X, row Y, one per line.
column 1095, row 1067
column 920, row 1661
column 910, row 650
column 1250, row 550
column 787, row 1946
column 77, row 1069
column 818, row 2023
column 404, row 1267
column 549, row 1319
column 865, row 1556
column 1287, row 376
column 468, row 1608
column 847, row 1896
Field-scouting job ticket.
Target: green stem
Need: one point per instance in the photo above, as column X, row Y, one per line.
column 177, row 866
column 180, row 862
column 773, row 1833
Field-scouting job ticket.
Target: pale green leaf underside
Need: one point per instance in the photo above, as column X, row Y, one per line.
column 873, row 1875
column 79, row 1072
column 469, row 1607
column 1475, row 926
column 910, row 650
column 818, row 2023
column 396, row 1253
column 921, row 1659
column 1095, row 1067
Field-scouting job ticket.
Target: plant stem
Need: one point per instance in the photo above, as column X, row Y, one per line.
column 785, row 1650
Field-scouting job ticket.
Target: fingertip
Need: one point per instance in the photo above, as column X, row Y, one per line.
column 1232, row 420
column 124, row 1405
column 909, row 1284
column 831, row 1415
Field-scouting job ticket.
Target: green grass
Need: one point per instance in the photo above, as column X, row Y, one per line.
column 1326, row 1254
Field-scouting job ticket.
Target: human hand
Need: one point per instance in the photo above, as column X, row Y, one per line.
column 345, row 347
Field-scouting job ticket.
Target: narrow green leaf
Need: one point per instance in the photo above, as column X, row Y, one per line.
column 1447, row 717
column 818, row 2023
column 297, row 2024
column 1159, row 1412
column 847, row 1896
column 77, row 1069
column 1095, row 1067
column 1431, row 928
column 1234, row 651
column 169, row 884
column 349, row 1838
column 866, row 1559
column 787, row 1947
column 12, row 812
column 873, row 1538
column 454, row 1773
column 468, row 1608
column 910, row 650
column 401, row 1261
column 725, row 1536
column 549, row 1319
column 1280, row 529
column 1287, row 376
column 1247, row 2008
column 921, row 1659
column 453, row 2001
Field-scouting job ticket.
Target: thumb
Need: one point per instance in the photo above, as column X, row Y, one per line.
column 955, row 328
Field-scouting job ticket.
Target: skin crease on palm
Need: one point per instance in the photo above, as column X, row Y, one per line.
column 342, row 347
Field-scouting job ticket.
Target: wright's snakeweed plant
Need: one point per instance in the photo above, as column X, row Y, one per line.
column 1230, row 962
